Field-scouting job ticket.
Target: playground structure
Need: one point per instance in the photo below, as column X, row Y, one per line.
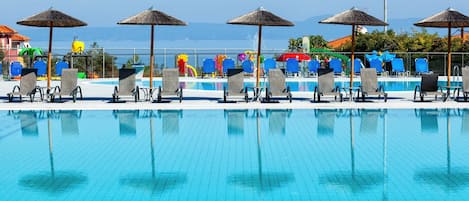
column 78, row 51
column 184, row 68
column 249, row 55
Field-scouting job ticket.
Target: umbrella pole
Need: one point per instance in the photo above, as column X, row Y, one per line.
column 449, row 55
column 49, row 56
column 259, row 159
column 151, row 146
column 462, row 34
column 353, row 59
column 258, row 61
column 152, row 58
column 51, row 156
column 352, row 144
column 448, row 143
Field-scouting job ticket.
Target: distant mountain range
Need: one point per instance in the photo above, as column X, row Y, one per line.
column 208, row 31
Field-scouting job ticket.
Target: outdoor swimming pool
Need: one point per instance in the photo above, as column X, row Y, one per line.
column 234, row 155
column 294, row 85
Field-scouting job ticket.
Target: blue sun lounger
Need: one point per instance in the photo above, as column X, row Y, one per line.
column 357, row 66
column 208, row 66
column 377, row 64
column 421, row 66
column 269, row 64
column 228, row 64
column 41, row 67
column 248, row 66
column 293, row 66
column 59, row 66
column 397, row 66
column 313, row 67
column 336, row 65
column 15, row 69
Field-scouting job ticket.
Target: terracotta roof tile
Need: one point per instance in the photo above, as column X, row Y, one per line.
column 6, row 30
column 19, row 37
column 339, row 42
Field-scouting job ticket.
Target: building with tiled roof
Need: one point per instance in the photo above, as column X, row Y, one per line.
column 339, row 42
column 11, row 42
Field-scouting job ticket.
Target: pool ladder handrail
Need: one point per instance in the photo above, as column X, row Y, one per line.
column 456, row 74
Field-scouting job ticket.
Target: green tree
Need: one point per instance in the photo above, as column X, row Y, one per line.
column 295, row 45
column 317, row 41
column 134, row 60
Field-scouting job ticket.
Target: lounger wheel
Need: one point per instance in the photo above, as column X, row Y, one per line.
column 385, row 97
column 341, row 97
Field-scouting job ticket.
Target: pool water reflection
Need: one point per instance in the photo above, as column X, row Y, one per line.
column 235, row 155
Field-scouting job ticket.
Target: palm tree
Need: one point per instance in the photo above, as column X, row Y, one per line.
column 31, row 52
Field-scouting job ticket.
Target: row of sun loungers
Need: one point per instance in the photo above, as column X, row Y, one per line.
column 68, row 86
column 235, row 88
column 292, row 66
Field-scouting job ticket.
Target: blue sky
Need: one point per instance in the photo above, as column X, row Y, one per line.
column 108, row 12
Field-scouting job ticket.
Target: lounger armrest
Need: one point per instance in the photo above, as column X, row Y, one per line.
column 16, row 87
column 116, row 90
column 78, row 90
column 57, row 89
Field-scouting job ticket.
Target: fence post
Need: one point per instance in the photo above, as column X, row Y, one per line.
column 196, row 59
column 445, row 70
column 462, row 60
column 104, row 65
column 164, row 56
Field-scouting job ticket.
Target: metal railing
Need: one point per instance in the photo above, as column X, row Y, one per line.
column 100, row 65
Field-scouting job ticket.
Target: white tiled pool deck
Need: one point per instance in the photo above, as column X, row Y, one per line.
column 98, row 97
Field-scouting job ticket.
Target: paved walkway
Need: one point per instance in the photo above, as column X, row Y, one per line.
column 97, row 97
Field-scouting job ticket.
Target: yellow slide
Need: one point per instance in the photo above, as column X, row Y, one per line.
column 194, row 72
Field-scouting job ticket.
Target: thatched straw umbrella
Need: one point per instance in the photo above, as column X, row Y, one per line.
column 260, row 17
column 152, row 17
column 447, row 19
column 353, row 17
column 51, row 18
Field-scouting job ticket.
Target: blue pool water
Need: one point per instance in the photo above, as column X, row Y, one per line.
column 234, row 155
column 294, row 85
